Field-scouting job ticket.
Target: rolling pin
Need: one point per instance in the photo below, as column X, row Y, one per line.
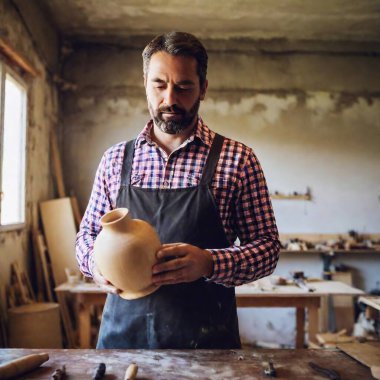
column 131, row 372
column 22, row 365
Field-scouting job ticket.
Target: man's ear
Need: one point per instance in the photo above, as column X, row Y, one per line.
column 204, row 89
column 144, row 80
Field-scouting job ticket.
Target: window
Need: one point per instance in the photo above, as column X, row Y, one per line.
column 13, row 94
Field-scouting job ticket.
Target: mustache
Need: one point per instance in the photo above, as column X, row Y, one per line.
column 172, row 109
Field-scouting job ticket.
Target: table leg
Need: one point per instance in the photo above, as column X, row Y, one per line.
column 313, row 323
column 84, row 325
column 300, row 327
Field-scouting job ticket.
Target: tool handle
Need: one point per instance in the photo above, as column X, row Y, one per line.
column 100, row 371
column 22, row 365
column 131, row 372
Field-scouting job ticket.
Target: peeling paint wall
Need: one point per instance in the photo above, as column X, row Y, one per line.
column 313, row 120
column 42, row 116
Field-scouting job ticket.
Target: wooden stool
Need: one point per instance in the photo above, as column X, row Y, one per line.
column 36, row 325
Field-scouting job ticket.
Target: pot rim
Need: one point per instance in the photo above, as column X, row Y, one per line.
column 109, row 217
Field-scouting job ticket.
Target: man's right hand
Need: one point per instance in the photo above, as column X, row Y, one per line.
column 103, row 282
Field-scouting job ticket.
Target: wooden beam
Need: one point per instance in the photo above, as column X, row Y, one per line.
column 57, row 164
column 15, row 57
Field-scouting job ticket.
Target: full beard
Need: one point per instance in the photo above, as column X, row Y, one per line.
column 174, row 127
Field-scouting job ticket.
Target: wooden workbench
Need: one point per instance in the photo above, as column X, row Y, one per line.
column 194, row 364
column 249, row 295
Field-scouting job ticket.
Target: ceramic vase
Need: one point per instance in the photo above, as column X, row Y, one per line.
column 125, row 252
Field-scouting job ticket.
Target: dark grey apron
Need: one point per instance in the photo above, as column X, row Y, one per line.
column 198, row 314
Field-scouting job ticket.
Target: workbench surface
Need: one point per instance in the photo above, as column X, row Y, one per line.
column 193, row 364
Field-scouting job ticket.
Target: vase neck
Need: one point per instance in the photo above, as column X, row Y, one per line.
column 116, row 220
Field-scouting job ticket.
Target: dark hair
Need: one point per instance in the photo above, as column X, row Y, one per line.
column 178, row 44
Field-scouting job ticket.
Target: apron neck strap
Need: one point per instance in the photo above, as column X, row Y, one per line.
column 127, row 162
column 212, row 159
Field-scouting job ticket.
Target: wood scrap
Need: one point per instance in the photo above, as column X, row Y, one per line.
column 10, row 296
column 60, row 232
column 22, row 283
column 3, row 330
column 17, row 282
column 40, row 247
column 332, row 339
column 375, row 371
column 66, row 320
column 367, row 353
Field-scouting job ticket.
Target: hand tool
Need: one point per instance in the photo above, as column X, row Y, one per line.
column 19, row 366
column 269, row 369
column 131, row 372
column 329, row 373
column 59, row 373
column 100, row 371
column 300, row 282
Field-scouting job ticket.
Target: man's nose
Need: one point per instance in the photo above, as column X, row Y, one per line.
column 170, row 96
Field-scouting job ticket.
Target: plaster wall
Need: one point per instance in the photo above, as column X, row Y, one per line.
column 42, row 116
column 312, row 119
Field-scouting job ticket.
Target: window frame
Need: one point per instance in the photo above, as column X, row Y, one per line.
column 5, row 69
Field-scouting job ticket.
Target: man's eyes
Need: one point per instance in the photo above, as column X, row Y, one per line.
column 178, row 88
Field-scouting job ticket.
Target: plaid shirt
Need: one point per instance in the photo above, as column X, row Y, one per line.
column 238, row 185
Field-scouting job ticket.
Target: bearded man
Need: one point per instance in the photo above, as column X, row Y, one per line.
column 200, row 191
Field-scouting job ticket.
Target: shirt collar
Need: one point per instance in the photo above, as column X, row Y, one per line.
column 201, row 133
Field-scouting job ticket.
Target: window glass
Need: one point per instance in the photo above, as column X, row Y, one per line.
column 13, row 152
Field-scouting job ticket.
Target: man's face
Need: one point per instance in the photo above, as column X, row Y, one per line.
column 173, row 92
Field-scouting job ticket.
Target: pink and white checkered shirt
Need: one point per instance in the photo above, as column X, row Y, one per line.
column 238, row 185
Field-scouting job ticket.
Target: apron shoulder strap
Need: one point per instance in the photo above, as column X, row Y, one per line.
column 212, row 159
column 127, row 162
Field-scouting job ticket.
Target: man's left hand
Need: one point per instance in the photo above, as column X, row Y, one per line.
column 185, row 263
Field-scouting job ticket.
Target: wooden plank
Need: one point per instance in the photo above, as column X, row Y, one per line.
column 3, row 308
column 60, row 232
column 38, row 268
column 76, row 211
column 18, row 281
column 373, row 301
column 15, row 57
column 57, row 165
column 23, row 280
column 66, row 320
column 367, row 353
column 332, row 339
column 39, row 243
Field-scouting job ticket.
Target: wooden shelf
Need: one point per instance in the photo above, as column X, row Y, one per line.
column 334, row 251
column 305, row 197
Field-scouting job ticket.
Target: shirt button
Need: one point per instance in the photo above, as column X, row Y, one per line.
column 166, row 184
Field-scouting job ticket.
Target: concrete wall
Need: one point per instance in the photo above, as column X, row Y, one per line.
column 313, row 120
column 42, row 116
